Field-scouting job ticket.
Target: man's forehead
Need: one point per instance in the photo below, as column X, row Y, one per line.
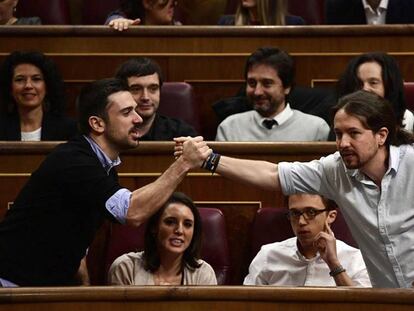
column 300, row 201
column 342, row 118
column 263, row 71
column 120, row 100
column 144, row 80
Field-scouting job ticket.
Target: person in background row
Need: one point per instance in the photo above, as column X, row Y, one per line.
column 373, row 12
column 308, row 258
column 32, row 99
column 379, row 73
column 144, row 78
column 143, row 12
column 261, row 12
column 171, row 250
column 269, row 74
column 7, row 11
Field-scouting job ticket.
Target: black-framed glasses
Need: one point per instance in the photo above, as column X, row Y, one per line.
column 308, row 213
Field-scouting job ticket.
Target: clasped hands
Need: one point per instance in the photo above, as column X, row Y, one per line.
column 193, row 150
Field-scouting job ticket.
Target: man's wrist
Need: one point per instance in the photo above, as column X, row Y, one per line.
column 336, row 271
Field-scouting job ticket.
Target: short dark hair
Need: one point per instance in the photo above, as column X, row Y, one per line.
column 374, row 112
column 93, row 100
column 54, row 101
column 139, row 66
column 192, row 253
column 391, row 77
column 279, row 60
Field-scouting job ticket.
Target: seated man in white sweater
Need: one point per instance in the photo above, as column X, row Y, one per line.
column 269, row 74
column 314, row 257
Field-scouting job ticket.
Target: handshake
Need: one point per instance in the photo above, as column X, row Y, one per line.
column 195, row 152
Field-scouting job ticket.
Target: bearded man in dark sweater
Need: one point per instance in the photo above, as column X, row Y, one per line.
column 54, row 219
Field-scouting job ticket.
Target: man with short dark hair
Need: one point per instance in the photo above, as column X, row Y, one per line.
column 308, row 258
column 269, row 74
column 144, row 78
column 54, row 218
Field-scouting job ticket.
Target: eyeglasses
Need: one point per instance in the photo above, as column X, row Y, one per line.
column 308, row 213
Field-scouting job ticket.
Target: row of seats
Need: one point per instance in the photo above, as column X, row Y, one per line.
column 177, row 100
column 94, row 12
column 270, row 225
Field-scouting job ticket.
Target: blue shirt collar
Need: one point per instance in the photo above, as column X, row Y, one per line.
column 106, row 162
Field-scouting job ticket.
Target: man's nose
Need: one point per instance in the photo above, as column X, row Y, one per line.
column 258, row 90
column 144, row 94
column 343, row 141
column 137, row 119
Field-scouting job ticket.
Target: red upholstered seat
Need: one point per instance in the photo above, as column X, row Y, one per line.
column 271, row 225
column 409, row 95
column 177, row 101
column 95, row 12
column 215, row 250
column 312, row 11
column 51, row 12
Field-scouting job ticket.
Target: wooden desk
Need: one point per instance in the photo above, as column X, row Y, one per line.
column 210, row 58
column 213, row 298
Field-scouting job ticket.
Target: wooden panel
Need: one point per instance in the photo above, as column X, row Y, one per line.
column 201, row 298
column 207, row 57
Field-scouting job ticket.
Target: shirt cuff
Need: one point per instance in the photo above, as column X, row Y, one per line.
column 118, row 204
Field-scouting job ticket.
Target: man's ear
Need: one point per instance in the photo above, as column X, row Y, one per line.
column 331, row 216
column 287, row 90
column 97, row 124
column 382, row 135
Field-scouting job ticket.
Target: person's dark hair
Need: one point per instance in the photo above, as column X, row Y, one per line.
column 391, row 77
column 54, row 101
column 279, row 60
column 133, row 9
column 139, row 67
column 93, row 100
column 192, row 253
column 374, row 112
column 330, row 205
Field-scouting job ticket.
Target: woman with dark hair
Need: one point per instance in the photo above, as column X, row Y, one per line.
column 32, row 99
column 171, row 250
column 7, row 11
column 145, row 12
column 379, row 73
column 261, row 12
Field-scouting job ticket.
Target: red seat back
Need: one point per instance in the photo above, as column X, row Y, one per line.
column 51, row 12
column 177, row 101
column 409, row 95
column 95, row 12
column 312, row 11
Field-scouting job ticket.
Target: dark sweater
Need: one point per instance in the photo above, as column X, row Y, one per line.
column 166, row 128
column 54, row 127
column 54, row 218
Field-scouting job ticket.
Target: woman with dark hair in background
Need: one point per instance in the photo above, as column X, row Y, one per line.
column 7, row 10
column 379, row 73
column 32, row 99
column 144, row 12
column 261, row 12
column 171, row 250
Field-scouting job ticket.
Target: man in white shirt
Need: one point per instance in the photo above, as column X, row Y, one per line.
column 308, row 258
column 370, row 178
column 269, row 74
column 371, row 12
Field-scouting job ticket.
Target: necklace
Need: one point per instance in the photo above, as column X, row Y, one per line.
column 174, row 280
